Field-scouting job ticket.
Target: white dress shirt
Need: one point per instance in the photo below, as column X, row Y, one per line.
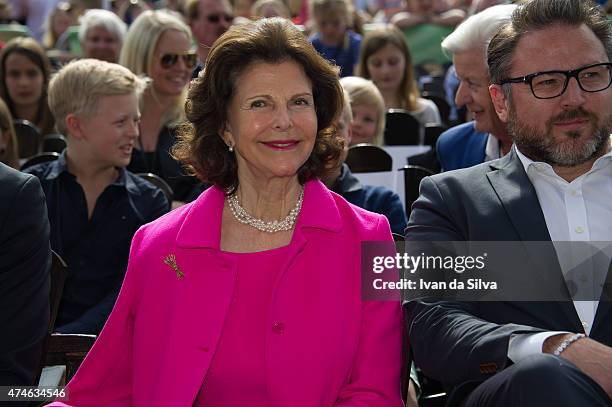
column 492, row 150
column 580, row 210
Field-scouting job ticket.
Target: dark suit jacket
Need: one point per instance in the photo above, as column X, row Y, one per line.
column 25, row 258
column 495, row 201
column 461, row 147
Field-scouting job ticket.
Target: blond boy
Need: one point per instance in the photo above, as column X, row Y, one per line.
column 95, row 205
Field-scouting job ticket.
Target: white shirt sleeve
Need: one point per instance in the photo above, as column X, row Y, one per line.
column 523, row 345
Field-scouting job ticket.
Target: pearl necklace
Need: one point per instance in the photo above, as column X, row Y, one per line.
column 244, row 217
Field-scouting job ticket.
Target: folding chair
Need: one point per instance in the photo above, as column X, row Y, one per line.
column 413, row 174
column 38, row 159
column 28, row 138
column 53, row 143
column 401, row 128
column 368, row 158
column 159, row 183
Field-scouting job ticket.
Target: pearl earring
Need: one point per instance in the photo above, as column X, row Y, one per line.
column 230, row 148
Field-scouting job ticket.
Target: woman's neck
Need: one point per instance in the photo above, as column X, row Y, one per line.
column 151, row 122
column 269, row 200
column 156, row 102
column 391, row 99
column 87, row 171
column 27, row 112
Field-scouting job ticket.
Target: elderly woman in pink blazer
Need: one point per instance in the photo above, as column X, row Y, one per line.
column 251, row 295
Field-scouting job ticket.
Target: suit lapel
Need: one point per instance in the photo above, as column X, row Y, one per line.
column 519, row 199
column 516, row 193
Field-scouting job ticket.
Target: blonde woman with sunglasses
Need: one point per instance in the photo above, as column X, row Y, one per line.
column 158, row 45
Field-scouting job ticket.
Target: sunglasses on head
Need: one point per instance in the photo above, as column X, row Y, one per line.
column 169, row 60
column 215, row 18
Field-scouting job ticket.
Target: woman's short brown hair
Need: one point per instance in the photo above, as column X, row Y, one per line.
column 271, row 40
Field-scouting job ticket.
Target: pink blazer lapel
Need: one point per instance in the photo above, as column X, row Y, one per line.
column 206, row 291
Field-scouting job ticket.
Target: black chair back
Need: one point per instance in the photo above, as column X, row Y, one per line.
column 401, row 128
column 53, row 143
column 159, row 183
column 38, row 159
column 28, row 138
column 441, row 103
column 69, row 350
column 413, row 174
column 432, row 132
column 368, row 158
column 59, row 272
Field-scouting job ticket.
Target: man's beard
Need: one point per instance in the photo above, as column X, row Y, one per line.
column 570, row 150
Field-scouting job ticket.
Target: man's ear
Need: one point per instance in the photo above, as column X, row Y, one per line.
column 500, row 103
column 74, row 125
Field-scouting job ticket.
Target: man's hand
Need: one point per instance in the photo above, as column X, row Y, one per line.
column 592, row 357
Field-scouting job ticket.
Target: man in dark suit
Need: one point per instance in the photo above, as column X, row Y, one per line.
column 551, row 74
column 485, row 138
column 25, row 259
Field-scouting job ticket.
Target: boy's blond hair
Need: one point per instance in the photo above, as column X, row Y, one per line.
column 77, row 88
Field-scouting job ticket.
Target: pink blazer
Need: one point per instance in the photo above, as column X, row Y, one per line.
column 324, row 347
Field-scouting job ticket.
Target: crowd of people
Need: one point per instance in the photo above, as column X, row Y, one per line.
column 241, row 267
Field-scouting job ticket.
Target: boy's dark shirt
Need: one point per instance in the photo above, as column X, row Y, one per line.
column 97, row 249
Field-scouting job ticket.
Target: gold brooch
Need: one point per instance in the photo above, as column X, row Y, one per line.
column 170, row 260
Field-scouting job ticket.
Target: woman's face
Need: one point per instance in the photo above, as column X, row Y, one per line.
column 365, row 123
column 332, row 28
column 171, row 79
column 101, row 44
column 387, row 67
column 24, row 80
column 271, row 121
column 61, row 21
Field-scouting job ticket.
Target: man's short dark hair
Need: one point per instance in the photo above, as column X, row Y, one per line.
column 536, row 15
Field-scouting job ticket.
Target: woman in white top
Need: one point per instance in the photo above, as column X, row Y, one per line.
column 386, row 60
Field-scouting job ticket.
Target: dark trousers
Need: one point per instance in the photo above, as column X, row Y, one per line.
column 539, row 380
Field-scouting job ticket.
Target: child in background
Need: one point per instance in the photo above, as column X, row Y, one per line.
column 8, row 140
column 59, row 19
column 386, row 60
column 378, row 199
column 24, row 76
column 333, row 37
column 94, row 204
column 269, row 8
column 368, row 109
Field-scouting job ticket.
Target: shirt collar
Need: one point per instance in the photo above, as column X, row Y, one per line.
column 59, row 167
column 529, row 163
column 347, row 182
column 492, row 148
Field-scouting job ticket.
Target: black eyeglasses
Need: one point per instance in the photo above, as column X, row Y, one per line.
column 169, row 60
column 215, row 18
column 551, row 84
